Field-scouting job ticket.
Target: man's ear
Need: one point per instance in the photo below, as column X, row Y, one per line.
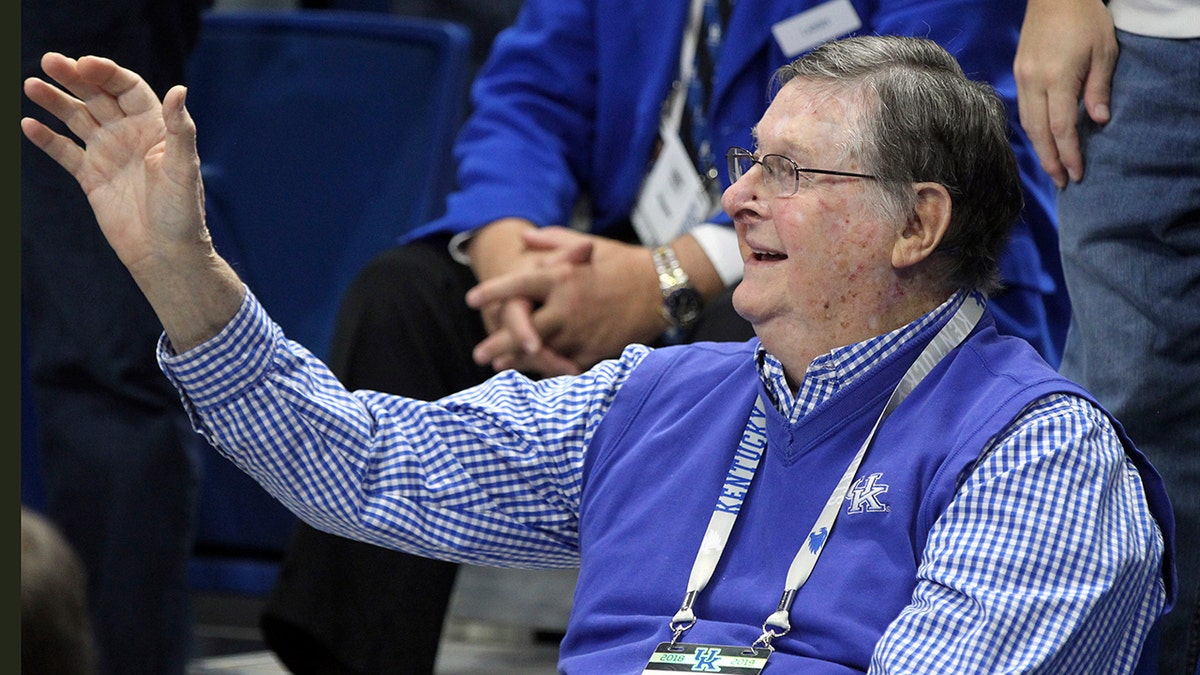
column 926, row 225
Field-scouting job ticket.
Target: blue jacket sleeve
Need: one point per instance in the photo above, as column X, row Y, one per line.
column 528, row 139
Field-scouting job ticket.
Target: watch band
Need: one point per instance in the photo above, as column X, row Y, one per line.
column 681, row 302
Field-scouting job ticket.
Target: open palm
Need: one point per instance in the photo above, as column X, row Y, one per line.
column 137, row 164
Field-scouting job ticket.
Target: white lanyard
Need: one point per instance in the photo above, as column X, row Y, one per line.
column 745, row 465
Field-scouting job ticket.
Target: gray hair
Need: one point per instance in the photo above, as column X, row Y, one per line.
column 923, row 120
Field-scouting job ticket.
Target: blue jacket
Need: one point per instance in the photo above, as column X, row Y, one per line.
column 569, row 103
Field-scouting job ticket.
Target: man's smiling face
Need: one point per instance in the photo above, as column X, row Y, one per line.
column 817, row 259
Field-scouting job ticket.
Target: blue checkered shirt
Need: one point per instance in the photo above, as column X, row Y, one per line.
column 492, row 476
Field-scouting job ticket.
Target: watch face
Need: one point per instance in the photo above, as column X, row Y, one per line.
column 684, row 305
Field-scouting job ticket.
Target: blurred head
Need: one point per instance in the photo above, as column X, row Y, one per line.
column 56, row 635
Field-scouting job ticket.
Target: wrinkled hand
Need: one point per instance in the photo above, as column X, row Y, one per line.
column 513, row 339
column 588, row 297
column 1067, row 48
column 138, row 164
column 139, row 168
column 498, row 250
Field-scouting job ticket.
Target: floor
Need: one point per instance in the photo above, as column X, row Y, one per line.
column 228, row 643
column 501, row 622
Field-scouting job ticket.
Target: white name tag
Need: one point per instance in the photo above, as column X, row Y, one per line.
column 673, row 199
column 810, row 28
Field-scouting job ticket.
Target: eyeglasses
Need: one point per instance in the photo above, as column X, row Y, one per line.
column 781, row 174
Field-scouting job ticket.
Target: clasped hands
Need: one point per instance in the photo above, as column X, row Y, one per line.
column 555, row 301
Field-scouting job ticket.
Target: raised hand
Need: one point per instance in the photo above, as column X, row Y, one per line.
column 139, row 168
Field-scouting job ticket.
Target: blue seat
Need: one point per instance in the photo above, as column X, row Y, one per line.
column 323, row 136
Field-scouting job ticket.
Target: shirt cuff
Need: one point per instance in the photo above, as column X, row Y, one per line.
column 458, row 247
column 719, row 243
column 222, row 368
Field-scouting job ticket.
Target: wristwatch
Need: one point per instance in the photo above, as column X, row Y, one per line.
column 681, row 302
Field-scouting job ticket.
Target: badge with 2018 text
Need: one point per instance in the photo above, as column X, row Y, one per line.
column 695, row 658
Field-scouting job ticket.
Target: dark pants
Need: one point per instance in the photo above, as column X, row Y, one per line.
column 119, row 460
column 347, row 607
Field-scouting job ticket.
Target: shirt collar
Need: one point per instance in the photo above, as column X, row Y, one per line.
column 833, row 370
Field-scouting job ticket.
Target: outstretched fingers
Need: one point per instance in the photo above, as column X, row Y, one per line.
column 93, row 92
column 103, row 92
column 117, row 86
column 61, row 149
column 90, row 106
column 70, row 110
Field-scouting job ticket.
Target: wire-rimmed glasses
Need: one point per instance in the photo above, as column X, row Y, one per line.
column 781, row 174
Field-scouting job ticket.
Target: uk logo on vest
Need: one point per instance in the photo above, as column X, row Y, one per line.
column 864, row 495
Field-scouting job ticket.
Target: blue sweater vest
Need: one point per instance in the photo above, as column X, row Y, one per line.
column 656, row 466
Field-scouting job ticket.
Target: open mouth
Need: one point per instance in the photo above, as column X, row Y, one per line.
column 767, row 256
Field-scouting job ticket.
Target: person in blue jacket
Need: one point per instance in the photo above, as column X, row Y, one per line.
column 877, row 482
column 582, row 108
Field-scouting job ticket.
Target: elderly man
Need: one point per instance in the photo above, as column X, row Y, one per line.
column 878, row 482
